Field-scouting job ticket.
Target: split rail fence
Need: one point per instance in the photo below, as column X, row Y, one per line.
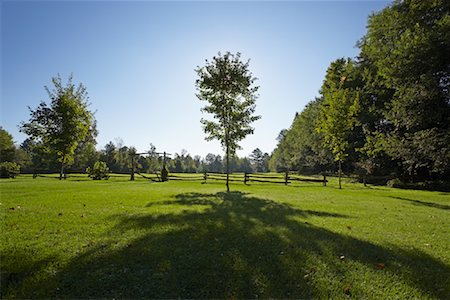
column 248, row 178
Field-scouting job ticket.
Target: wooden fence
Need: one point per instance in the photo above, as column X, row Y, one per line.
column 247, row 178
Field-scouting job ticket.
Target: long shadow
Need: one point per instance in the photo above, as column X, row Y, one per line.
column 238, row 246
column 25, row 266
column 424, row 203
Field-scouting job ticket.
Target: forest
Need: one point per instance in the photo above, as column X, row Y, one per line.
column 385, row 113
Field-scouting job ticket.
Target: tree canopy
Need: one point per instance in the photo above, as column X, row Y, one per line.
column 387, row 112
column 59, row 127
column 227, row 85
column 7, row 148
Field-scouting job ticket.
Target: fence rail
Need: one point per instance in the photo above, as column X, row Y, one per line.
column 246, row 178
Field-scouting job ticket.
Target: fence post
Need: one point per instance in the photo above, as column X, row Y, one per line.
column 132, row 168
column 286, row 177
column 205, row 176
column 324, row 179
column 245, row 178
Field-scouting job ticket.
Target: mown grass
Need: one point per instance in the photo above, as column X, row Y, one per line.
column 119, row 239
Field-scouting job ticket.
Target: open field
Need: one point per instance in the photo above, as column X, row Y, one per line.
column 119, row 239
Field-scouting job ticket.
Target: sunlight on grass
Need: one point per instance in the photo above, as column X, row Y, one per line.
column 81, row 239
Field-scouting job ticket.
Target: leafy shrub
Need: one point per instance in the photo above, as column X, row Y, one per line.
column 9, row 169
column 99, row 171
column 443, row 186
column 395, row 183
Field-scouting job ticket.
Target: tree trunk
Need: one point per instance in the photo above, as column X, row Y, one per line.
column 340, row 174
column 132, row 168
column 228, row 167
column 61, row 172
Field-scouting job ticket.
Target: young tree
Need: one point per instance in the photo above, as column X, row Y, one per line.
column 63, row 124
column 227, row 85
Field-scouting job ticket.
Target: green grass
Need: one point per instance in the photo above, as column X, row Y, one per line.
column 119, row 239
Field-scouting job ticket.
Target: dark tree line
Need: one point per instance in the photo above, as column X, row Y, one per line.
column 387, row 112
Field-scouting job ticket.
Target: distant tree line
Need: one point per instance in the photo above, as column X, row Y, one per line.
column 387, row 112
column 118, row 158
column 62, row 138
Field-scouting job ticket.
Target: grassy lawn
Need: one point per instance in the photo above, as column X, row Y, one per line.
column 119, row 239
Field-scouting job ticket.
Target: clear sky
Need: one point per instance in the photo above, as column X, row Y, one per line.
column 137, row 60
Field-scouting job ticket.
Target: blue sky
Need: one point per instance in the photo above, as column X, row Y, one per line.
column 137, row 60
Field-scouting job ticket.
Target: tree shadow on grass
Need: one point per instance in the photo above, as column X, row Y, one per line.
column 424, row 203
column 18, row 268
column 232, row 245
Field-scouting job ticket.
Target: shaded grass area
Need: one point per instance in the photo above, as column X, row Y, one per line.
column 85, row 239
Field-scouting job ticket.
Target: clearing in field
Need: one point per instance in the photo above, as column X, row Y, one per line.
column 120, row 239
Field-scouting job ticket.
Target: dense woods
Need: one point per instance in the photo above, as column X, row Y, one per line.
column 386, row 112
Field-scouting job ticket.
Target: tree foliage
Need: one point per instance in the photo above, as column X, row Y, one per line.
column 301, row 147
column 99, row 171
column 61, row 125
column 388, row 111
column 9, row 169
column 7, row 148
column 407, row 46
column 339, row 108
column 259, row 160
column 227, row 85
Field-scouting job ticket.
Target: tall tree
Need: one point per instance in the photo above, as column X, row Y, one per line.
column 227, row 85
column 7, row 148
column 408, row 45
column 301, row 146
column 213, row 163
column 108, row 155
column 259, row 160
column 339, row 108
column 64, row 123
column 280, row 160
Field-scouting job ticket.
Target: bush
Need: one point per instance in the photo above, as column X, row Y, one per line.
column 9, row 169
column 443, row 186
column 99, row 171
column 395, row 183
